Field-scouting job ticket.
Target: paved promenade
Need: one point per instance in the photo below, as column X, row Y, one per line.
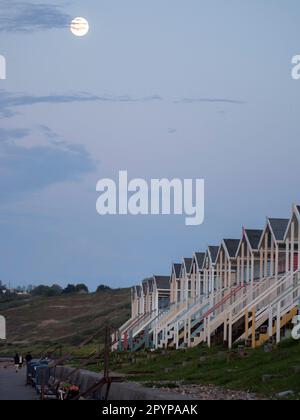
column 12, row 385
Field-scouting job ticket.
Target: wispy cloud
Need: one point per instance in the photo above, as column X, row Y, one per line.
column 20, row 16
column 10, row 101
column 172, row 130
column 26, row 169
column 9, row 134
column 209, row 100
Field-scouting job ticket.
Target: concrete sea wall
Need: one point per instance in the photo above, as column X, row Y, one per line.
column 129, row 391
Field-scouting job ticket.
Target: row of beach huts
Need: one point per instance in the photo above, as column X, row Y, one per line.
column 243, row 290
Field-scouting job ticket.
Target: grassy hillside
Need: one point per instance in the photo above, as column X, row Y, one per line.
column 67, row 319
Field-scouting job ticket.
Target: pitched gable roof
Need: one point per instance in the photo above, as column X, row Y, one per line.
column 213, row 252
column 138, row 291
column 162, row 282
column 279, row 227
column 176, row 269
column 295, row 214
column 200, row 256
column 151, row 284
column 232, row 246
column 254, row 236
column 146, row 285
column 188, row 263
column 198, row 260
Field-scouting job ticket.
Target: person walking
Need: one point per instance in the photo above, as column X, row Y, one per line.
column 17, row 361
column 20, row 362
column 28, row 358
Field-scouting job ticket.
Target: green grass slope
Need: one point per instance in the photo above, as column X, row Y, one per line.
column 266, row 374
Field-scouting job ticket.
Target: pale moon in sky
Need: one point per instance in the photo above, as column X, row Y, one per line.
column 79, row 26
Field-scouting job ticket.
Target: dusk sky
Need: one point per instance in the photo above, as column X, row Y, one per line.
column 160, row 88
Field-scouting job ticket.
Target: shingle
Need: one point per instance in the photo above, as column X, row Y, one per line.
column 279, row 227
column 232, row 246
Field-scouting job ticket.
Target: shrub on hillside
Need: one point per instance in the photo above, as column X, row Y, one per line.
column 69, row 289
column 81, row 288
column 102, row 288
column 42, row 290
column 76, row 288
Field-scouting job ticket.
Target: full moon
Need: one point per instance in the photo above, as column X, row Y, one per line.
column 79, row 26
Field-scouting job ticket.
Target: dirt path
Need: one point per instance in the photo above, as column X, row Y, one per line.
column 12, row 385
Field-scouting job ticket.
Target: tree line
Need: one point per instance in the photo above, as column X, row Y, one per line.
column 54, row 290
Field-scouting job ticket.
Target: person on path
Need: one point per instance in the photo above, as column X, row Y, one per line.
column 20, row 362
column 28, row 358
column 17, row 361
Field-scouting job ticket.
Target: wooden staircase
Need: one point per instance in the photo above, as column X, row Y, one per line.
column 263, row 336
column 270, row 313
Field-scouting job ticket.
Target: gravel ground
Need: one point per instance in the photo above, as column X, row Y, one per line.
column 210, row 392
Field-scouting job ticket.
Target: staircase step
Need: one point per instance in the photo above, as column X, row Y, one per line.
column 248, row 343
column 263, row 329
